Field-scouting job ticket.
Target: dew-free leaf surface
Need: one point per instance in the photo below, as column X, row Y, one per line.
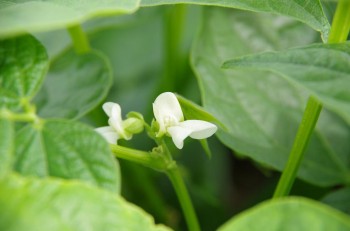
column 68, row 150
column 289, row 214
column 309, row 12
column 75, row 85
column 23, row 65
column 51, row 204
column 18, row 17
column 261, row 110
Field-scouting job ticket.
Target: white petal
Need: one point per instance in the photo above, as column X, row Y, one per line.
column 108, row 133
column 107, row 107
column 178, row 134
column 199, row 129
column 166, row 107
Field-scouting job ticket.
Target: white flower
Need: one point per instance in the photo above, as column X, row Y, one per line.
column 115, row 130
column 168, row 114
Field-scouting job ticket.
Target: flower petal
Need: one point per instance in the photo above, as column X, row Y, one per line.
column 108, row 133
column 199, row 129
column 107, row 107
column 178, row 134
column 167, row 110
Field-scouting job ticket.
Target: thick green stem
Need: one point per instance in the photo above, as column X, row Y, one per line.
column 79, row 38
column 306, row 127
column 184, row 198
column 341, row 23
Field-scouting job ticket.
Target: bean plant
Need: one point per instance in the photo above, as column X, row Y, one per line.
column 174, row 115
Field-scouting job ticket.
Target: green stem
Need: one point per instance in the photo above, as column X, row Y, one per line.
column 79, row 38
column 306, row 127
column 341, row 23
column 19, row 117
column 153, row 160
column 184, row 198
column 160, row 159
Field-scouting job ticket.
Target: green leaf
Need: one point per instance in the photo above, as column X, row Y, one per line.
column 339, row 199
column 261, row 110
column 18, row 17
column 6, row 146
column 50, row 204
column 194, row 111
column 289, row 214
column 75, row 85
column 23, row 65
column 323, row 69
column 68, row 150
column 309, row 12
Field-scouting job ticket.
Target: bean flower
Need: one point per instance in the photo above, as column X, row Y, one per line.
column 168, row 114
column 118, row 128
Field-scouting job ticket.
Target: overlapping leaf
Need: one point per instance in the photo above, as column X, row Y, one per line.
column 68, row 150
column 23, row 65
column 75, row 84
column 309, row 12
column 32, row 204
column 289, row 214
column 260, row 110
column 323, row 69
column 339, row 199
column 17, row 17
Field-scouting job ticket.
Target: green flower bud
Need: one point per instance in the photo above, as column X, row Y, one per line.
column 133, row 125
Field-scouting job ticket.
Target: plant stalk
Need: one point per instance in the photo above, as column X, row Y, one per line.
column 341, row 23
column 80, row 40
column 306, row 127
column 184, row 198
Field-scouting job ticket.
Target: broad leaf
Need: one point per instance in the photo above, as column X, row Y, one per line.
column 323, row 69
column 23, row 65
column 18, row 17
column 339, row 199
column 289, row 214
column 6, row 145
column 68, row 150
column 32, row 204
column 260, row 110
column 75, row 85
column 309, row 12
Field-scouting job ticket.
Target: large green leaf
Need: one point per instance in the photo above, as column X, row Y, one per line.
column 260, row 110
column 75, row 85
column 17, row 17
column 6, row 145
column 289, row 214
column 339, row 199
column 323, row 69
column 32, row 204
column 68, row 150
column 309, row 12
column 23, row 65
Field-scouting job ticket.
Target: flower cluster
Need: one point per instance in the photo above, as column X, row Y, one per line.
column 168, row 117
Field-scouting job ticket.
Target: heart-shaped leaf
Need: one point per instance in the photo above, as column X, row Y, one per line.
column 261, row 110
column 75, row 85
column 289, row 214
column 68, row 150
column 323, row 69
column 18, row 17
column 23, row 65
column 50, row 204
column 309, row 12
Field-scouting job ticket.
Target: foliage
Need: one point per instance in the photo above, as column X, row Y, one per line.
column 252, row 64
